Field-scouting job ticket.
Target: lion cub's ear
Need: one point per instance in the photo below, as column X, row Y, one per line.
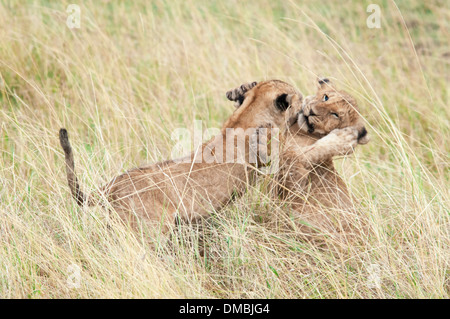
column 324, row 83
column 283, row 101
column 238, row 94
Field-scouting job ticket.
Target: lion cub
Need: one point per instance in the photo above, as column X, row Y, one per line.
column 329, row 125
column 191, row 187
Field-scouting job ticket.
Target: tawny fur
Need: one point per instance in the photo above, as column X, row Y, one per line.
column 158, row 193
column 328, row 126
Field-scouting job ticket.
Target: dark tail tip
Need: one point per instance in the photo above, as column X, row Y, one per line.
column 64, row 140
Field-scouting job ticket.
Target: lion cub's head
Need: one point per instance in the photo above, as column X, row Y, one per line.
column 330, row 109
column 273, row 102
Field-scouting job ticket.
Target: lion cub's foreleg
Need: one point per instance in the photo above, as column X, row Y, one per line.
column 297, row 162
column 308, row 181
column 339, row 142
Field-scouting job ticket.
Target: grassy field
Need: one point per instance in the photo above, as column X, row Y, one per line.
column 133, row 72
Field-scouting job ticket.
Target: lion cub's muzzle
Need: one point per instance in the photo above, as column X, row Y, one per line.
column 302, row 119
column 310, row 125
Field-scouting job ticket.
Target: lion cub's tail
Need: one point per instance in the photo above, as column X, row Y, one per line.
column 70, row 168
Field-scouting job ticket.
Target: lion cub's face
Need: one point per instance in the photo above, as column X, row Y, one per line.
column 330, row 109
column 273, row 103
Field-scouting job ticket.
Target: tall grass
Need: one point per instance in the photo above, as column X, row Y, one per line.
column 135, row 71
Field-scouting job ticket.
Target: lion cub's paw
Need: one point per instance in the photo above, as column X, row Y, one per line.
column 237, row 94
column 341, row 141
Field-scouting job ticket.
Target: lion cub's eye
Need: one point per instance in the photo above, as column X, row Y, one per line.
column 325, row 98
column 335, row 115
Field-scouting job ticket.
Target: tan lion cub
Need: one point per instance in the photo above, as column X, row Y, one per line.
column 322, row 199
column 193, row 186
column 328, row 126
